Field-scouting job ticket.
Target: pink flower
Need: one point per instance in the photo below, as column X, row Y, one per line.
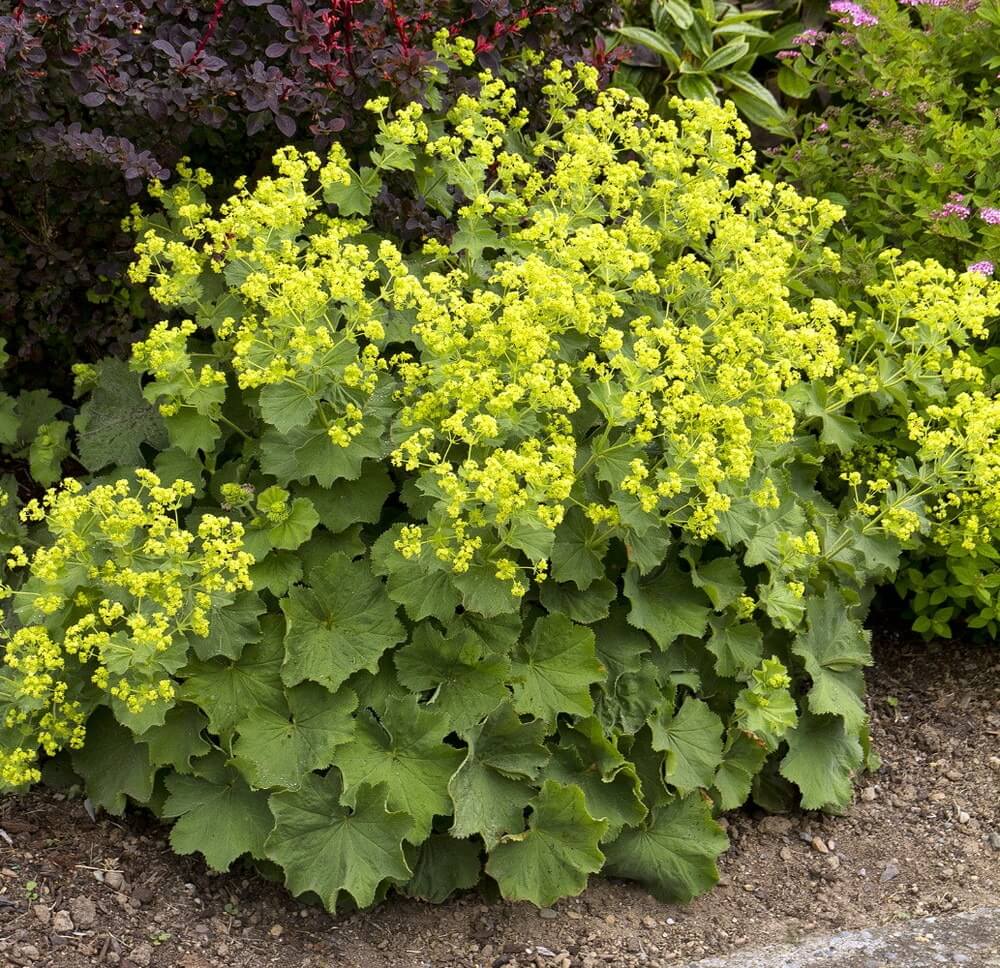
column 787, row 54
column 855, row 14
column 952, row 210
column 991, row 216
column 810, row 37
column 985, row 267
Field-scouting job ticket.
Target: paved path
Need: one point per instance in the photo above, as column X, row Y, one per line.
column 971, row 939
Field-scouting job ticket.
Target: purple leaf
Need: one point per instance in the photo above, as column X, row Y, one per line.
column 285, row 124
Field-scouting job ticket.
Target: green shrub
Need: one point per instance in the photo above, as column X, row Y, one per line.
column 555, row 541
column 911, row 127
column 909, row 137
column 709, row 51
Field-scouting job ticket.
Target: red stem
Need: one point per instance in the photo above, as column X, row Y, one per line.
column 404, row 39
column 209, row 30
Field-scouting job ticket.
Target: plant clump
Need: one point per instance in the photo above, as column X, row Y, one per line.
column 543, row 541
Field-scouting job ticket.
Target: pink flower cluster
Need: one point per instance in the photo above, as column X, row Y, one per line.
column 926, row 3
column 955, row 207
column 787, row 55
column 985, row 267
column 810, row 37
column 855, row 14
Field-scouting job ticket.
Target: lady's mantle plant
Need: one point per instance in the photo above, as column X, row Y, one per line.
column 562, row 528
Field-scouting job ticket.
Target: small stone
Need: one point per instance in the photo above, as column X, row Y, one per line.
column 548, row 914
column 868, row 794
column 963, row 817
column 749, row 888
column 649, row 922
column 819, row 844
column 995, row 840
column 574, row 915
column 785, row 853
column 30, row 952
column 62, row 923
column 141, row 954
column 276, row 931
column 891, row 871
column 83, row 912
column 42, row 912
column 114, row 880
column 776, row 825
column 142, row 895
column 834, row 861
column 994, row 763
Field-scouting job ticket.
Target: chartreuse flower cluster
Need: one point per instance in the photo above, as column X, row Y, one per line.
column 562, row 521
column 105, row 609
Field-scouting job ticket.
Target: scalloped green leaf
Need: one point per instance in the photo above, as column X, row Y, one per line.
column 692, row 740
column 330, row 849
column 495, row 782
column 556, row 855
column 835, row 649
column 553, row 669
column 466, row 685
column 404, row 749
column 277, row 748
column 338, row 626
column 114, row 764
column 674, row 854
column 666, row 606
column 226, row 688
column 218, row 815
column 822, row 759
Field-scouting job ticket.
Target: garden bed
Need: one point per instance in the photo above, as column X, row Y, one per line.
column 923, row 837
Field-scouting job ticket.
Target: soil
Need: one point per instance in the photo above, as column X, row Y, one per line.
column 922, row 838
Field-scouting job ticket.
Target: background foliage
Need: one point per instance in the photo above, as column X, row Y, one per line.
column 99, row 98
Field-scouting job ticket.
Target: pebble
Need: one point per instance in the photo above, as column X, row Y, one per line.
column 548, row 914
column 995, row 840
column 868, row 794
column 890, row 872
column 141, row 954
column 30, row 952
column 114, row 880
column 83, row 912
column 963, row 817
column 42, row 912
column 819, row 844
column 649, row 922
column 277, row 931
column 62, row 923
column 785, row 853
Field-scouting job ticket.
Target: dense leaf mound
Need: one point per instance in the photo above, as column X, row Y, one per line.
column 525, row 551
